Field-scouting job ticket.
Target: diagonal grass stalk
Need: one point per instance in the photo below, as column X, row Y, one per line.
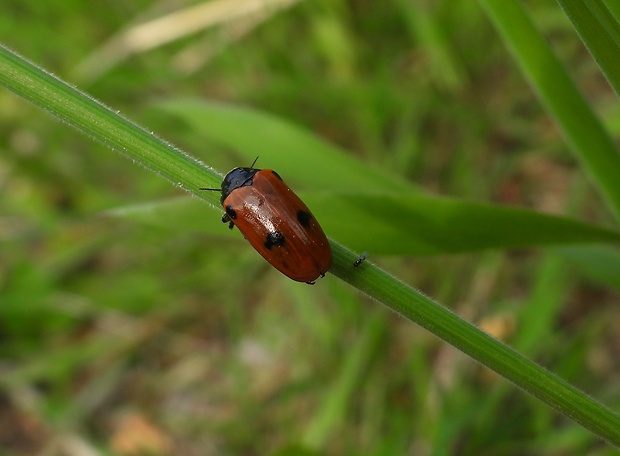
column 99, row 122
column 600, row 32
column 586, row 136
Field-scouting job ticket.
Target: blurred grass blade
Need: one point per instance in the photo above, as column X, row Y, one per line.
column 426, row 225
column 600, row 31
column 171, row 27
column 539, row 315
column 582, row 129
column 299, row 154
column 338, row 398
column 424, row 23
column 613, row 6
column 599, row 263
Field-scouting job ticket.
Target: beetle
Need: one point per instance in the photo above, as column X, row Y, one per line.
column 276, row 222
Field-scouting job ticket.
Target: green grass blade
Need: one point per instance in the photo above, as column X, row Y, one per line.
column 106, row 126
column 600, row 264
column 99, row 122
column 539, row 314
column 425, row 225
column 613, row 6
column 499, row 357
column 600, row 31
column 425, row 25
column 430, row 225
column 275, row 140
column 332, row 411
column 582, row 129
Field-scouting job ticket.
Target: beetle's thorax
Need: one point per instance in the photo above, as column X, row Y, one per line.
column 238, row 177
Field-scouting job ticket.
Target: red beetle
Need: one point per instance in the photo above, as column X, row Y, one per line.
column 276, row 222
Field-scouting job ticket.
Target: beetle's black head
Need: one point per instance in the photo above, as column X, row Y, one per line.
column 238, row 177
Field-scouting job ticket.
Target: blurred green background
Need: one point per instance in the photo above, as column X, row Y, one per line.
column 127, row 338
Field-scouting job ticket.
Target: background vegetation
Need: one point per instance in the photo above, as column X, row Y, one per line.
column 128, row 328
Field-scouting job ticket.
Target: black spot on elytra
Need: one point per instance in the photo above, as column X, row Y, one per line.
column 304, row 218
column 274, row 238
column 231, row 212
column 276, row 174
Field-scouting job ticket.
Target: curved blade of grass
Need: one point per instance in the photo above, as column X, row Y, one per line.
column 600, row 32
column 425, row 225
column 613, row 6
column 275, row 140
column 94, row 119
column 583, row 131
column 422, row 225
column 600, row 264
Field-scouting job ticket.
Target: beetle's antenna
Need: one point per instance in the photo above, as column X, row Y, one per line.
column 211, row 189
column 254, row 162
